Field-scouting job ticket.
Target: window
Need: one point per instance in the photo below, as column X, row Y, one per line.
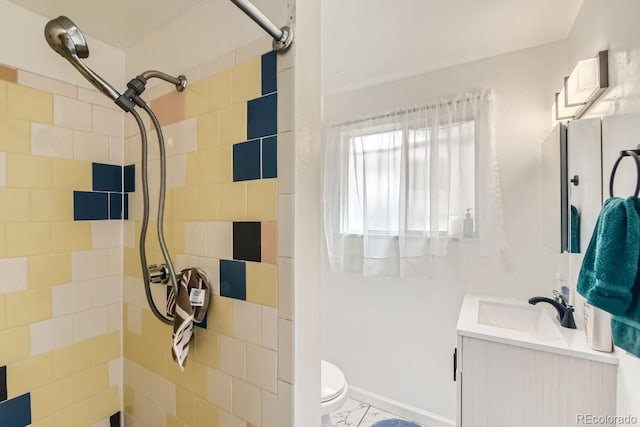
column 433, row 169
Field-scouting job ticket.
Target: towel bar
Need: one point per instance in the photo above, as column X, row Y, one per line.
column 626, row 153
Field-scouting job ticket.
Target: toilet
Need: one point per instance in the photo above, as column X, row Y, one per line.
column 334, row 391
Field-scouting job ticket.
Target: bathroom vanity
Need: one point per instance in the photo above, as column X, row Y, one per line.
column 517, row 367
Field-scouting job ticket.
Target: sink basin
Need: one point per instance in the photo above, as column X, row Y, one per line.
column 526, row 318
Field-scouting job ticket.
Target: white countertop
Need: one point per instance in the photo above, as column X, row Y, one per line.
column 569, row 342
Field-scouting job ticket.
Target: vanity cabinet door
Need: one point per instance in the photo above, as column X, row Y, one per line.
column 507, row 386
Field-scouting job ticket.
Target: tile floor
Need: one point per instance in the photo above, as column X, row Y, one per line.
column 358, row 414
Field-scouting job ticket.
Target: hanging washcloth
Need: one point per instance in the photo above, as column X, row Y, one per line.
column 190, row 305
column 609, row 276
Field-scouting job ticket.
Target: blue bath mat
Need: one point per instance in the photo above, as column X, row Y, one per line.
column 395, row 423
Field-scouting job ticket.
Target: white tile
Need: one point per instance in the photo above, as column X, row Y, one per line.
column 115, row 317
column 247, row 323
column 217, row 65
column 106, row 291
column 187, row 136
column 269, row 327
column 51, row 334
column 89, row 264
column 36, row 81
column 159, row 295
column 14, row 273
column 232, row 356
column 285, row 100
column 219, row 389
column 148, row 411
column 114, row 261
column 169, row 137
column 228, row 420
column 104, row 423
column 71, row 113
column 157, row 88
column 95, row 97
column 269, row 409
column 166, row 398
column 133, row 291
column 196, row 238
column 192, row 74
column 285, row 404
column 285, row 163
column 134, row 319
column 107, row 121
column 51, row 141
column 285, row 234
column 252, row 49
column 132, row 150
column 285, row 288
column 181, row 261
column 220, row 240
column 70, row 298
column 177, row 171
column 90, row 324
column 153, row 175
column 90, row 146
column 3, row 169
column 262, row 365
column 106, row 234
column 116, row 150
column 129, row 234
column 115, row 372
column 135, row 206
column 211, row 267
column 285, row 350
column 246, row 401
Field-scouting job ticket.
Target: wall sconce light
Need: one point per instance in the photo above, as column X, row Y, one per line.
column 588, row 80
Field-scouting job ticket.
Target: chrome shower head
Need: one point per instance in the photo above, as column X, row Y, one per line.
column 65, row 38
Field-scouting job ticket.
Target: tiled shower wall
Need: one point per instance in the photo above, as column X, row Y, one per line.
column 228, row 212
column 60, row 279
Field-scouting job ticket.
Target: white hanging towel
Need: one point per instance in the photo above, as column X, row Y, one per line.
column 190, row 305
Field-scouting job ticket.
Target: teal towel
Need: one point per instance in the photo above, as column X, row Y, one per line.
column 574, row 243
column 609, row 276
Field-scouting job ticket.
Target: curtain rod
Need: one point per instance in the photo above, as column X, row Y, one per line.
column 282, row 37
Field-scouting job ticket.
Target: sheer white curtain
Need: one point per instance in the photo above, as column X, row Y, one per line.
column 397, row 188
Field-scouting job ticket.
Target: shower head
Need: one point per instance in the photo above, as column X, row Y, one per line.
column 65, row 38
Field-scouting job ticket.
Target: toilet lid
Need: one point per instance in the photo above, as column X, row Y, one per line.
column 332, row 381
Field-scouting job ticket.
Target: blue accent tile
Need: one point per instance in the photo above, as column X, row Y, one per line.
column 129, row 179
column 203, row 324
column 269, row 73
column 90, row 205
column 3, row 383
column 16, row 412
column 233, row 279
column 107, row 177
column 114, row 420
column 115, row 205
column 125, row 207
column 262, row 116
column 270, row 157
column 246, row 160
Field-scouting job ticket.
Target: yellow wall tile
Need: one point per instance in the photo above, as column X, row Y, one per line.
column 3, row 98
column 197, row 165
column 79, row 414
column 3, row 323
column 247, row 80
column 15, row 205
column 207, row 130
column 71, row 236
column 233, row 124
column 128, row 398
column 221, row 312
column 29, row 104
column 199, row 384
column 47, row 422
column 179, row 238
column 15, row 135
column 173, row 421
column 105, row 404
column 28, row 307
column 186, row 405
column 219, row 165
column 49, row 270
column 132, row 263
column 220, row 92
column 28, row 171
column 28, row 374
column 206, row 348
column 90, row 382
column 206, row 414
column 105, row 348
column 48, row 400
column 262, row 283
column 24, row 239
column 72, row 174
column 185, row 199
column 208, row 207
column 51, row 205
column 233, row 201
column 20, row 345
column 262, row 199
column 196, row 99
column 3, row 240
column 72, row 359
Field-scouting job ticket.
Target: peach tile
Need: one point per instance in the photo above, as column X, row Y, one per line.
column 9, row 74
column 269, row 242
column 175, row 107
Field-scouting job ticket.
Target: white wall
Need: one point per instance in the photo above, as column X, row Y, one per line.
column 23, row 46
column 394, row 337
column 613, row 25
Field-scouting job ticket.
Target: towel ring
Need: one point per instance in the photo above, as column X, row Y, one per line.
column 623, row 154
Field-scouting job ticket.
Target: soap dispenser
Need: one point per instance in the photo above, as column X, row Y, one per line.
column 467, row 224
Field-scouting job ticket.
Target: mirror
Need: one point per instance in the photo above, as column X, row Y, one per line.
column 555, row 219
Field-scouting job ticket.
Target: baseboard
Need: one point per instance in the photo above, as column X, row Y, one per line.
column 401, row 409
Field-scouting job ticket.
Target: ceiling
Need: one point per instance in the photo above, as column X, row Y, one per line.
column 364, row 42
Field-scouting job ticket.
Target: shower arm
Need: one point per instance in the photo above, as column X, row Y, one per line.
column 282, row 37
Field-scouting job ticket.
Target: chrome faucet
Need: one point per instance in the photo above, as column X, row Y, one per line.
column 565, row 311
